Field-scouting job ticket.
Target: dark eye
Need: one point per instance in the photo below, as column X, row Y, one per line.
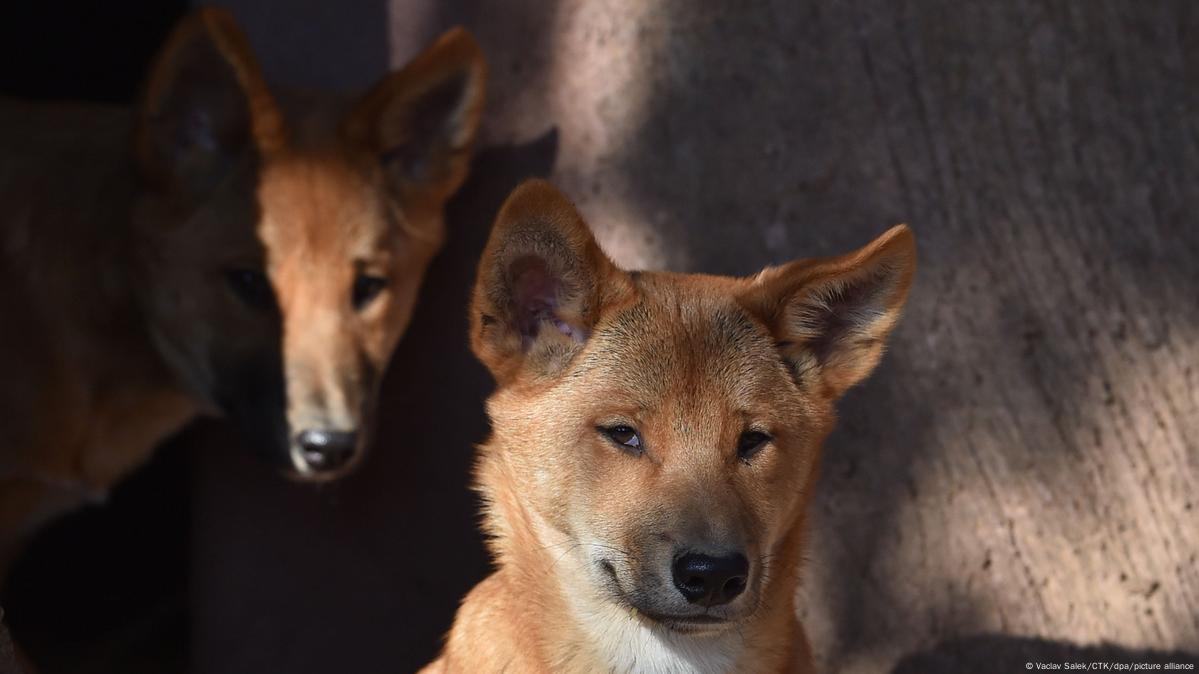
column 252, row 287
column 624, row 436
column 750, row 443
column 367, row 288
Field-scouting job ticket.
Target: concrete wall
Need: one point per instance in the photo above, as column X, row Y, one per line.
column 1017, row 481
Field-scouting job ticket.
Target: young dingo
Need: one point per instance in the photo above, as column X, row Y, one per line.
column 216, row 250
column 655, row 443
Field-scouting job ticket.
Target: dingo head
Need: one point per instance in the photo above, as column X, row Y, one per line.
column 658, row 433
column 281, row 256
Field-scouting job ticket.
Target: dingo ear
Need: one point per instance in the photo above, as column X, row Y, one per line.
column 204, row 105
column 831, row 316
column 421, row 121
column 541, row 283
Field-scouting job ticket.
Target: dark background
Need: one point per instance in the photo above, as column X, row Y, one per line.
column 1016, row 483
column 105, row 589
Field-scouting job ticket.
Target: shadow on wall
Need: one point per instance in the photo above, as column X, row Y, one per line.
column 997, row 654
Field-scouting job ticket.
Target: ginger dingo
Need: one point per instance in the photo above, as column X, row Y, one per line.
column 654, row 447
column 216, row 250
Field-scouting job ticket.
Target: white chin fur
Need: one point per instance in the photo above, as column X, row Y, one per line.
column 627, row 643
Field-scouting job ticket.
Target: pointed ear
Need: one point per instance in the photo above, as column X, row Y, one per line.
column 205, row 105
column 541, row 283
column 832, row 316
column 421, row 121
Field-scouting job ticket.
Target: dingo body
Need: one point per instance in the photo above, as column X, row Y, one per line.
column 214, row 250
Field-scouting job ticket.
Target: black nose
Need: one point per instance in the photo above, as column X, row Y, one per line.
column 708, row 580
column 326, row 451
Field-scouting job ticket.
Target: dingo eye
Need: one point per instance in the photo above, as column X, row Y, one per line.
column 625, row 436
column 252, row 287
column 750, row 443
column 367, row 288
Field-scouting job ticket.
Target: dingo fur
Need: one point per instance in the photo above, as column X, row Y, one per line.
column 655, row 439
column 217, row 250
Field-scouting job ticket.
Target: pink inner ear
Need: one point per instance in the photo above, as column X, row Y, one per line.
column 536, row 298
column 534, row 295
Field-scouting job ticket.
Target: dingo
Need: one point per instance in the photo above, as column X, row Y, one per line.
column 216, row 250
column 654, row 447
